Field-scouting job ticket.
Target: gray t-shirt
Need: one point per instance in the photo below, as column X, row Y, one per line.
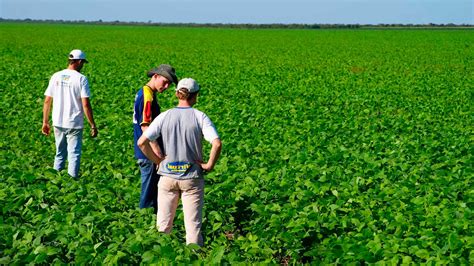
column 182, row 129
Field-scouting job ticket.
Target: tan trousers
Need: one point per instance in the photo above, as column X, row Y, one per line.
column 192, row 197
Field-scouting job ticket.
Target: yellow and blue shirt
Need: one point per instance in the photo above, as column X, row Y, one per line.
column 146, row 108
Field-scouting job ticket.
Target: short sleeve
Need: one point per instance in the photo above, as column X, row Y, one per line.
column 147, row 106
column 49, row 90
column 85, row 91
column 209, row 131
column 154, row 130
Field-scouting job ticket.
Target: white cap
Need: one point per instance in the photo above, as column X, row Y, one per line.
column 189, row 84
column 77, row 54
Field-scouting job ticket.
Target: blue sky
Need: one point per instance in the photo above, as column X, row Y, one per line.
column 246, row 11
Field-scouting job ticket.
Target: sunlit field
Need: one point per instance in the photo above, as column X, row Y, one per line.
column 339, row 146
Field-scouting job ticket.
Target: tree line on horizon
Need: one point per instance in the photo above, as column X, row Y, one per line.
column 245, row 25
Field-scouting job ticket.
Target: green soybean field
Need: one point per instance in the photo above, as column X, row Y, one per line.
column 340, row 146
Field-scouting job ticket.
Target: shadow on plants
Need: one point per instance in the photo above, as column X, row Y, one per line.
column 243, row 214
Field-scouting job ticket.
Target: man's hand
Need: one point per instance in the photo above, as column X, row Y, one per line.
column 214, row 155
column 206, row 167
column 45, row 129
column 145, row 145
column 94, row 132
column 160, row 159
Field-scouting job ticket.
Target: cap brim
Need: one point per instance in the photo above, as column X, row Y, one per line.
column 150, row 73
column 174, row 79
column 170, row 78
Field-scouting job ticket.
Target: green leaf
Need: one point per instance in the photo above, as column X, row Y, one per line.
column 217, row 255
column 422, row 253
column 148, row 256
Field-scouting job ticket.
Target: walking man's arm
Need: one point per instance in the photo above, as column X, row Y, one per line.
column 46, row 108
column 86, row 104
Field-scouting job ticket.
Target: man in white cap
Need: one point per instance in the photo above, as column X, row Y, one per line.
column 146, row 108
column 69, row 92
column 181, row 165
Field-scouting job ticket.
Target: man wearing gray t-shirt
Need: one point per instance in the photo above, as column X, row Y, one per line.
column 183, row 130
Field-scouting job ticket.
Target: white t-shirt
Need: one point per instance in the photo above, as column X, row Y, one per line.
column 183, row 130
column 67, row 87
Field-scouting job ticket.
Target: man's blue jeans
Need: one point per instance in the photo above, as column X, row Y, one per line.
column 68, row 145
column 149, row 192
